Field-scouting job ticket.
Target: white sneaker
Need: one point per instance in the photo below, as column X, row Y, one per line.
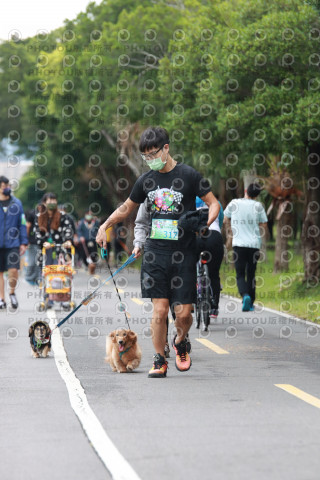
column 13, row 300
column 3, row 304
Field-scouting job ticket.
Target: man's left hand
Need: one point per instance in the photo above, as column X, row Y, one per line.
column 214, row 207
column 137, row 252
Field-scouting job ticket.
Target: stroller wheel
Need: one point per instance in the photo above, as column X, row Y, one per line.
column 66, row 306
column 41, row 307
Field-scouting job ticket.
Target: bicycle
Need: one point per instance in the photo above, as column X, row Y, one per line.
column 204, row 293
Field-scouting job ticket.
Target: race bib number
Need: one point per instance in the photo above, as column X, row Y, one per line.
column 164, row 229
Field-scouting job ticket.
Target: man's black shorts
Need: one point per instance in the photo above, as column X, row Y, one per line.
column 171, row 276
column 9, row 258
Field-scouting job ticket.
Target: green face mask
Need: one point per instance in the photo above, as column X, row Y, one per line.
column 88, row 218
column 156, row 164
column 51, row 206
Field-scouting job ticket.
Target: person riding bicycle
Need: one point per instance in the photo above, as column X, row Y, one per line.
column 211, row 243
column 168, row 273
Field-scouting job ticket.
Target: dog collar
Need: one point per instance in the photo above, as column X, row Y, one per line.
column 124, row 351
column 38, row 343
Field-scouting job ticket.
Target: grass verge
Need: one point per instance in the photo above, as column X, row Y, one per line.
column 285, row 292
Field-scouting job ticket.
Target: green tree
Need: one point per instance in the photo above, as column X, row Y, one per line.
column 255, row 91
column 235, row 82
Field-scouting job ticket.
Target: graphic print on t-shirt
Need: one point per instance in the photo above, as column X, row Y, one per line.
column 164, row 200
column 169, row 195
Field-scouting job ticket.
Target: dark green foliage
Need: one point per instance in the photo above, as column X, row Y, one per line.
column 217, row 74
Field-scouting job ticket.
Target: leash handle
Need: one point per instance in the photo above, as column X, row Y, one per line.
column 104, row 252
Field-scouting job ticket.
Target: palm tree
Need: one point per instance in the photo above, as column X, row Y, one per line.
column 280, row 186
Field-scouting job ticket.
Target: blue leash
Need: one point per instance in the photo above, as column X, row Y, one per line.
column 104, row 254
column 88, row 299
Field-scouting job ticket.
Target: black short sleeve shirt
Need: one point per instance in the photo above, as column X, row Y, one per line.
column 169, row 195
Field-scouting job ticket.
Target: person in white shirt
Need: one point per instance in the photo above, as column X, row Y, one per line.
column 246, row 216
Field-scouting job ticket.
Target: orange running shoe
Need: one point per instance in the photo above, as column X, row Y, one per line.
column 183, row 360
column 160, row 367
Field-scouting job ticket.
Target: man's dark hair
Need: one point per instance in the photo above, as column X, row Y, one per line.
column 153, row 137
column 4, row 179
column 253, row 190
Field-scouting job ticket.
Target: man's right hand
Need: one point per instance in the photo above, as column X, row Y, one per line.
column 47, row 245
column 101, row 237
column 117, row 216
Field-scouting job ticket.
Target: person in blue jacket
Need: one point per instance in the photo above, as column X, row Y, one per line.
column 13, row 240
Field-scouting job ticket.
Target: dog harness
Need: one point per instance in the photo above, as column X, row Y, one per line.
column 39, row 343
column 124, row 351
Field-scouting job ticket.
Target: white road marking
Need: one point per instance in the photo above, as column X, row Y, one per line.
column 116, row 464
column 282, row 314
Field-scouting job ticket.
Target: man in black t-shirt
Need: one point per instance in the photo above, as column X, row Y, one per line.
column 168, row 273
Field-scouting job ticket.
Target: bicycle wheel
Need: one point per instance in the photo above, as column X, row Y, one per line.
column 205, row 315
column 198, row 300
column 205, row 300
column 198, row 315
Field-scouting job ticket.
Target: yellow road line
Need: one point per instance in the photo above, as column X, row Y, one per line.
column 212, row 346
column 306, row 397
column 137, row 300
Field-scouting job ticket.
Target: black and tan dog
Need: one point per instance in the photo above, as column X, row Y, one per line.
column 40, row 339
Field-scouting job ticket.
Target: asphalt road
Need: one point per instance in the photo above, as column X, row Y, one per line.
column 234, row 415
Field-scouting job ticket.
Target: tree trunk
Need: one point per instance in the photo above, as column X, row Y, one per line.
column 284, row 232
column 222, row 192
column 311, row 226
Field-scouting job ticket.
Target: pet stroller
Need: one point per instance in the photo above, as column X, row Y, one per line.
column 57, row 280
